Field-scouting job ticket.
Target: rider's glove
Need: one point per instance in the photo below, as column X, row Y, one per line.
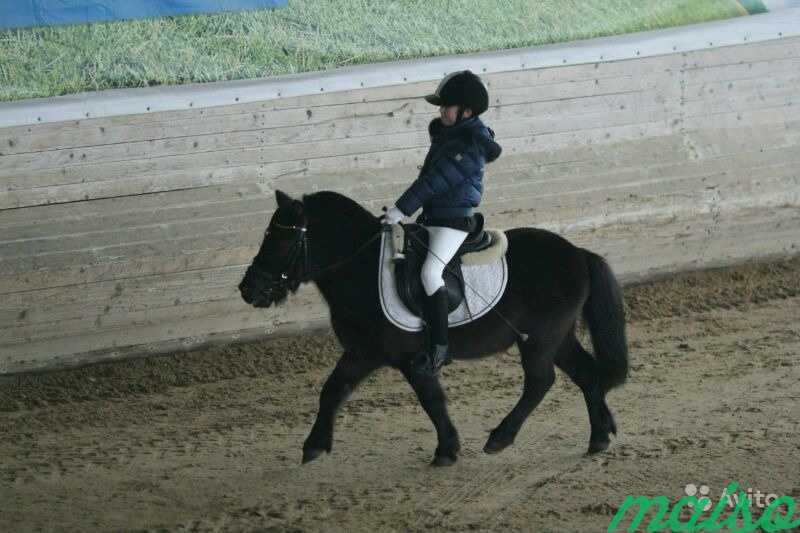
column 393, row 216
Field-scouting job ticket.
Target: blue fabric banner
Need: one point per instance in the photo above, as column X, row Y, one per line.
column 27, row 13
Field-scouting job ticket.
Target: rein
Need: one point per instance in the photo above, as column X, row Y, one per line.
column 308, row 277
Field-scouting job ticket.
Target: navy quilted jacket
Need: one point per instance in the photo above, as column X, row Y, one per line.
column 450, row 183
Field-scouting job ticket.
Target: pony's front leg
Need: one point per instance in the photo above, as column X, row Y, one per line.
column 431, row 396
column 350, row 370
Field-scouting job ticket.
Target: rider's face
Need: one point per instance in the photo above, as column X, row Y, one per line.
column 450, row 114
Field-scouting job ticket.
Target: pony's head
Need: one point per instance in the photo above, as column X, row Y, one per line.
column 337, row 225
column 281, row 262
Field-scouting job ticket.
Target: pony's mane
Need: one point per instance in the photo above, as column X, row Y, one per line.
column 324, row 204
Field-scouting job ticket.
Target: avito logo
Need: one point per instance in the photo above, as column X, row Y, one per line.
column 666, row 519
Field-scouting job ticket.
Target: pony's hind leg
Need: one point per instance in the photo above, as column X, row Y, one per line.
column 349, row 372
column 579, row 365
column 432, row 398
column 537, row 361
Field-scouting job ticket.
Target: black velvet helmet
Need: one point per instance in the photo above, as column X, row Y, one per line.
column 462, row 88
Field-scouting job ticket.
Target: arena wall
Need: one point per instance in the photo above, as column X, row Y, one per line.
column 127, row 218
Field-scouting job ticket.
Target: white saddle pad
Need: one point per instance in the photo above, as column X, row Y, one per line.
column 483, row 287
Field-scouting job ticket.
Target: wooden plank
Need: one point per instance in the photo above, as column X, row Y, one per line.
column 81, row 267
column 266, row 129
column 92, row 300
column 587, row 109
column 149, row 178
column 643, row 194
column 168, row 316
column 743, row 53
column 242, row 174
column 568, row 178
column 162, row 221
column 175, row 182
column 708, row 142
column 99, row 241
column 147, row 332
column 207, row 159
column 595, row 208
column 741, row 71
column 766, row 99
column 681, row 61
column 144, row 162
column 145, row 205
column 177, row 252
column 273, row 127
column 769, row 117
column 772, row 85
column 764, row 87
column 174, row 345
column 528, row 150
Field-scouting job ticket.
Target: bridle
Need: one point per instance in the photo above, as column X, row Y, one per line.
column 293, row 274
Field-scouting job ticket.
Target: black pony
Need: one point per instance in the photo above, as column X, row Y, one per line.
column 329, row 239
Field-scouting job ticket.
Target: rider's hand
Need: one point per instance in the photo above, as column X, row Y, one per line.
column 393, row 216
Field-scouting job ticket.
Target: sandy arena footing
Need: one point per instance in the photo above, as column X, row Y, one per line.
column 210, row 440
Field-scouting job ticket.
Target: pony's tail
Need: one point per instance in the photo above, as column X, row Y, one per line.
column 605, row 316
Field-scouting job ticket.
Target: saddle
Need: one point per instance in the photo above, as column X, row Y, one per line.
column 411, row 249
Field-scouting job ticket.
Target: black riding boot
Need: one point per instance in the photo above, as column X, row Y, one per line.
column 434, row 311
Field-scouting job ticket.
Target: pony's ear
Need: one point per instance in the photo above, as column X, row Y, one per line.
column 282, row 198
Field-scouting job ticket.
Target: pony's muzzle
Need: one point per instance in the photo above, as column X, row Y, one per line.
column 255, row 297
column 246, row 292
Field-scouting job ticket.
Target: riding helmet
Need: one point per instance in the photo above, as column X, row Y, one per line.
column 462, row 88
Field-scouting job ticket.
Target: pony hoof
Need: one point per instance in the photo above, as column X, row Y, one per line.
column 311, row 453
column 443, row 460
column 597, row 446
column 496, row 446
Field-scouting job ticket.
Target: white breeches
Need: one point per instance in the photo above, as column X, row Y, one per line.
column 443, row 244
